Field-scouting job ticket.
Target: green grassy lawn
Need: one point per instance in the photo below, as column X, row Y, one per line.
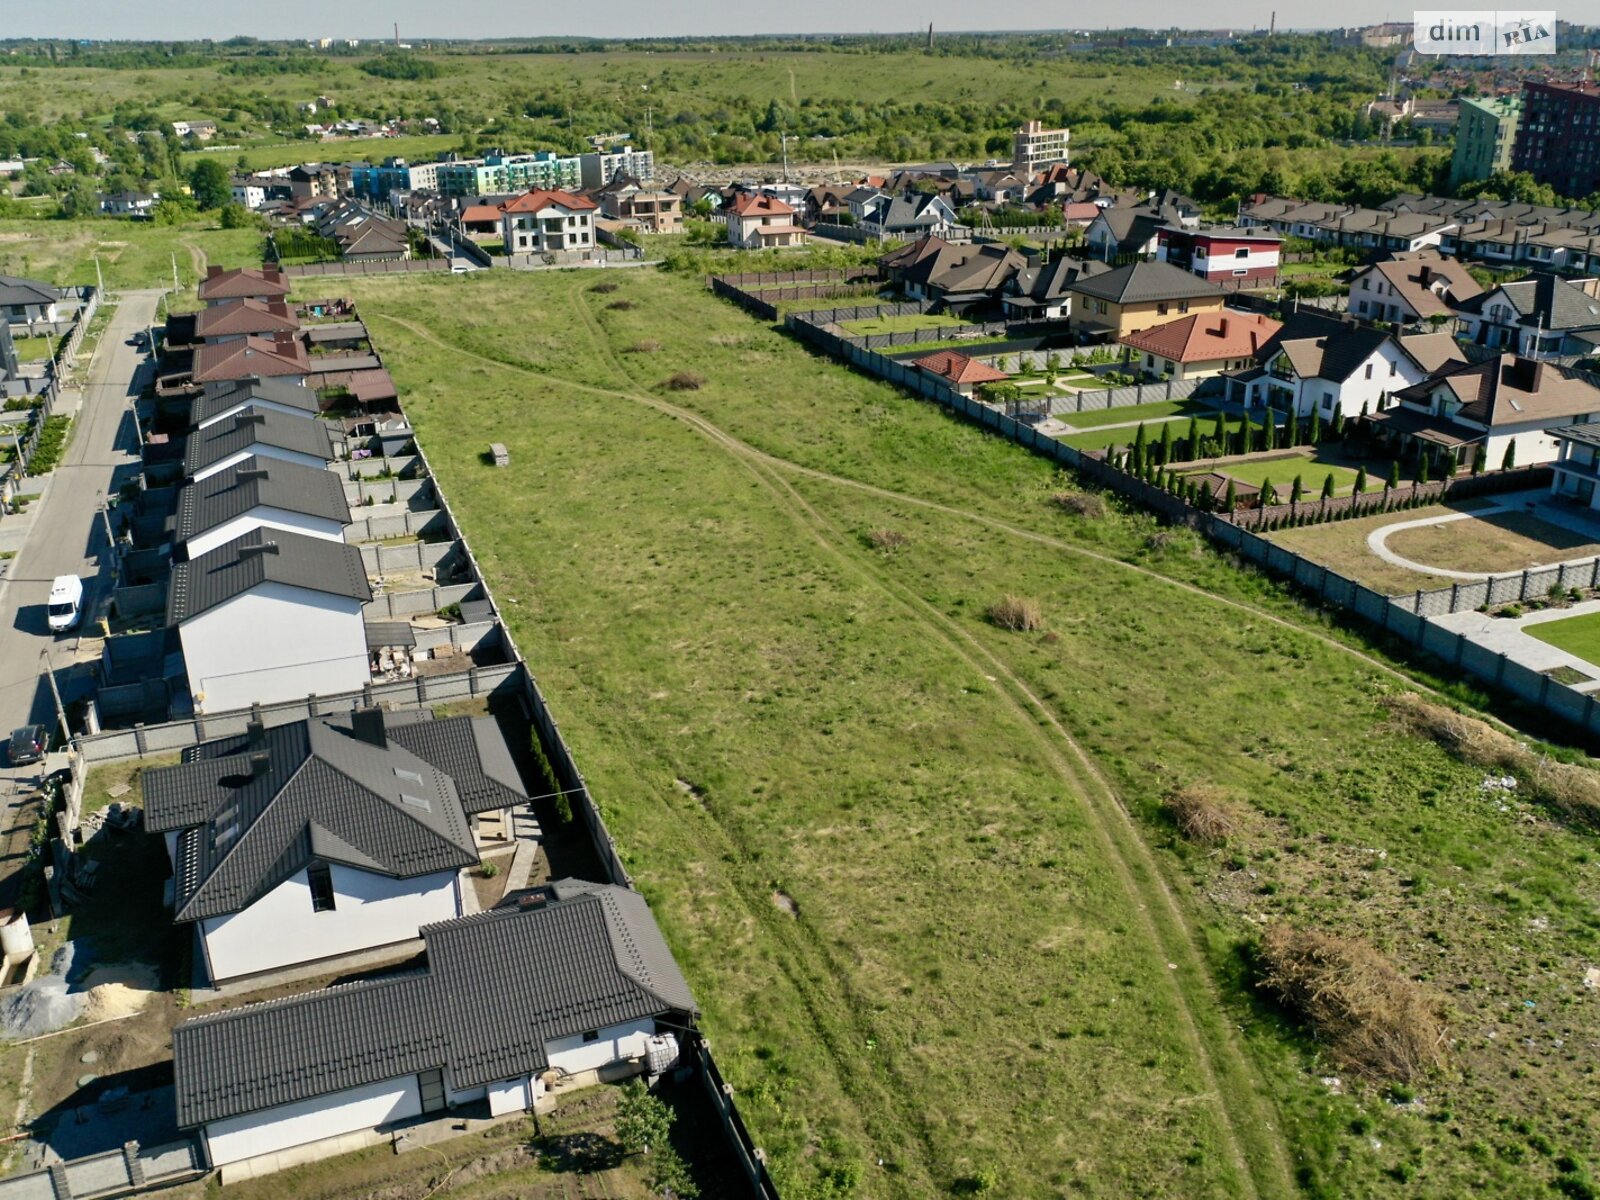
column 260, row 155
column 32, row 349
column 931, row 948
column 1313, row 469
column 1154, row 411
column 1099, row 439
column 1575, row 635
column 904, row 324
column 132, row 254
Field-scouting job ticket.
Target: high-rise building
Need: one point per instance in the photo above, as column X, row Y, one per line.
column 601, row 169
column 1486, row 130
column 1559, row 141
column 1033, row 146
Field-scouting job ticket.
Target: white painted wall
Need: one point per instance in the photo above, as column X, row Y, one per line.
column 228, row 414
column 511, row 1096
column 616, row 1042
column 239, row 1138
column 275, row 643
column 282, row 929
column 265, row 517
column 260, row 451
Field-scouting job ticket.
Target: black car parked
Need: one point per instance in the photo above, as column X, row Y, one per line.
column 27, row 745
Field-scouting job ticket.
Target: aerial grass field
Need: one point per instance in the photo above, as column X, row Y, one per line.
column 1156, row 410
column 916, row 866
column 132, row 254
column 1494, row 542
column 906, row 324
column 1342, row 546
column 261, row 155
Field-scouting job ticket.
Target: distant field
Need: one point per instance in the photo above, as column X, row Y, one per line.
column 870, row 844
column 132, row 254
column 260, row 155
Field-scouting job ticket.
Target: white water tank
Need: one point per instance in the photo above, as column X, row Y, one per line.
column 662, row 1053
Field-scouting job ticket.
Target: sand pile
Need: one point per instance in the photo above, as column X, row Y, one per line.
column 119, row 990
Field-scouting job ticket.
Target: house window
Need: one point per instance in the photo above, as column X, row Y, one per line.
column 1394, row 369
column 1369, row 370
column 1161, row 309
column 591, row 1035
column 1241, row 253
column 1183, row 306
column 321, row 879
column 1241, row 271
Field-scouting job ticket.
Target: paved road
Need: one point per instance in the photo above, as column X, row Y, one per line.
column 68, row 536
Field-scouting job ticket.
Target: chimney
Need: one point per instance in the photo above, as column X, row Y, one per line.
column 1222, row 328
column 212, row 271
column 367, row 725
column 249, row 474
column 256, row 734
column 1527, row 373
column 249, row 418
column 284, row 343
column 1426, row 277
column 258, row 764
column 255, row 551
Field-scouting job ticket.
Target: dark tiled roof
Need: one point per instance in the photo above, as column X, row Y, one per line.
column 259, row 483
column 256, row 427
column 220, row 397
column 1146, row 282
column 1545, row 301
column 468, row 749
column 264, row 556
column 498, row 988
column 15, row 290
column 312, row 791
column 1587, row 433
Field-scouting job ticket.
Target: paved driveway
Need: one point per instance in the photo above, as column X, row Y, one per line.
column 66, row 535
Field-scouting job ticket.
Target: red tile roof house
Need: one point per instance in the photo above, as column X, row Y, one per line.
column 1201, row 344
column 959, row 371
column 282, row 357
column 548, row 222
column 230, row 320
column 756, row 222
column 243, row 283
column 481, row 222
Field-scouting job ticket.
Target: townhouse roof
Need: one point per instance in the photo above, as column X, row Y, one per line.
column 245, row 316
column 1232, row 233
column 222, row 396
column 1428, row 283
column 251, row 428
column 253, row 812
column 958, row 368
column 965, row 268
column 264, row 556
column 14, row 290
column 1146, row 282
column 1134, row 227
column 912, row 252
column 1546, row 301
column 1049, row 282
column 1507, row 389
column 481, row 212
column 1206, row 337
column 910, row 212
column 760, row 205
column 536, row 200
column 498, row 987
column 471, row 750
column 253, row 483
column 250, row 356
column 1587, row 433
column 241, row 283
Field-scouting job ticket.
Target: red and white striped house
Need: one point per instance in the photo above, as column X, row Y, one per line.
column 1221, row 254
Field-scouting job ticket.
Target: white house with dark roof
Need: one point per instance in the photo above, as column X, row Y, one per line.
column 561, row 988
column 1541, row 316
column 260, row 493
column 270, row 616
column 225, row 401
column 305, row 842
column 24, row 301
column 264, row 434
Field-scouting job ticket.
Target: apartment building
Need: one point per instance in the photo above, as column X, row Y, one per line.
column 1033, row 147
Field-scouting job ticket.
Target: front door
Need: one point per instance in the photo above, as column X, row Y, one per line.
column 430, row 1086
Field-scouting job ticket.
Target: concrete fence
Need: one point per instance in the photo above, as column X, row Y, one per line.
column 400, row 466
column 112, row 1173
column 403, row 557
column 1536, row 583
column 138, row 599
column 396, row 605
column 416, row 493
column 394, row 266
column 429, row 524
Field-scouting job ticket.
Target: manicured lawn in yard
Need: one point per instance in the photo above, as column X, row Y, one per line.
column 1099, row 439
column 32, row 349
column 1282, row 472
column 852, row 803
column 905, row 324
column 1496, row 542
column 1153, row 411
column 1342, row 546
column 1575, row 635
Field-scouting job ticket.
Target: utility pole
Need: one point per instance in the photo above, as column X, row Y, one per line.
column 105, row 514
column 61, row 709
column 784, row 138
column 174, row 272
column 99, row 282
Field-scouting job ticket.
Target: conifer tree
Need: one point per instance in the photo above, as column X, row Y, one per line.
column 1328, row 487
column 1394, row 476
column 1269, row 494
column 1230, row 499
column 1166, row 443
column 1299, row 489
column 1361, row 481
column 1422, row 468
column 1509, row 462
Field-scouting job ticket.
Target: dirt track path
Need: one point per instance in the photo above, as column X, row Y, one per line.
column 1238, row 1096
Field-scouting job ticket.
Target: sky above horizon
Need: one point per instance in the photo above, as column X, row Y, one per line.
column 423, row 19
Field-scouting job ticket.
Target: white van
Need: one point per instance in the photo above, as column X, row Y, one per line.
column 66, row 602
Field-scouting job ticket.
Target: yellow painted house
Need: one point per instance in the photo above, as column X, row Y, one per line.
column 1138, row 296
